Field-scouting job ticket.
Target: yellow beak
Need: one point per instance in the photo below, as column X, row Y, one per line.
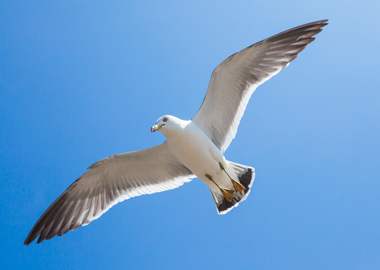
column 155, row 128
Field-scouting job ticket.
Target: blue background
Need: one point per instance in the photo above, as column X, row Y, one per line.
column 82, row 81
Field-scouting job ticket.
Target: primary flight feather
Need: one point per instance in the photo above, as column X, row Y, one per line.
column 193, row 148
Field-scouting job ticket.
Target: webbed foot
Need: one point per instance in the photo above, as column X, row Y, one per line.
column 237, row 186
column 227, row 193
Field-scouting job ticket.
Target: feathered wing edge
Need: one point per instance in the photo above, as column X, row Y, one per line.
column 236, row 78
column 108, row 182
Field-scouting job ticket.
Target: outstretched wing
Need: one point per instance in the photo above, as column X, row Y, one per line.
column 234, row 80
column 109, row 181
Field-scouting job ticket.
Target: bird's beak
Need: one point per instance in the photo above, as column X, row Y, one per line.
column 155, row 128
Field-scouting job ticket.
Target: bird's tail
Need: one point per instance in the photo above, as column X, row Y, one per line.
column 245, row 175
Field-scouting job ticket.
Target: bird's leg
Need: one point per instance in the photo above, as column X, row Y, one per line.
column 227, row 193
column 237, row 186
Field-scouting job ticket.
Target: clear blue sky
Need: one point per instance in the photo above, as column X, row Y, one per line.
column 82, row 81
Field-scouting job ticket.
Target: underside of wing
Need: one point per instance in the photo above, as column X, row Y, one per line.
column 235, row 79
column 108, row 182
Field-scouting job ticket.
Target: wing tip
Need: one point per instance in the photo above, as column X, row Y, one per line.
column 30, row 238
column 26, row 243
column 319, row 22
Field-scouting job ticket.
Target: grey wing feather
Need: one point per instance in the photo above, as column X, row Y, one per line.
column 107, row 182
column 236, row 78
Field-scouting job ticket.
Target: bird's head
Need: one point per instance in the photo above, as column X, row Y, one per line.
column 163, row 122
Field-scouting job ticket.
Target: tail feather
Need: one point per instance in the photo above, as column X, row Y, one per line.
column 246, row 176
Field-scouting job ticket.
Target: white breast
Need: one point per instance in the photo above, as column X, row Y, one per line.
column 195, row 149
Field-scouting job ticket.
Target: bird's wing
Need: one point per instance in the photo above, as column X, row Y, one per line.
column 107, row 182
column 234, row 80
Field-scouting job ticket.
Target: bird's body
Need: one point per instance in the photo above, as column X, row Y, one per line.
column 194, row 148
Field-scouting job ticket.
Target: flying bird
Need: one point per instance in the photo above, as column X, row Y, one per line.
column 193, row 148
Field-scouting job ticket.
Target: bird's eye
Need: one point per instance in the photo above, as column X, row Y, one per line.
column 165, row 119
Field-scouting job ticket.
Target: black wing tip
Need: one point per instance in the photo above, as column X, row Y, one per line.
column 36, row 231
column 315, row 27
column 306, row 27
column 320, row 22
column 26, row 243
column 325, row 21
column 31, row 237
column 29, row 240
column 40, row 240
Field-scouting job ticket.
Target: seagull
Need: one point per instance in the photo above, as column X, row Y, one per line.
column 193, row 148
